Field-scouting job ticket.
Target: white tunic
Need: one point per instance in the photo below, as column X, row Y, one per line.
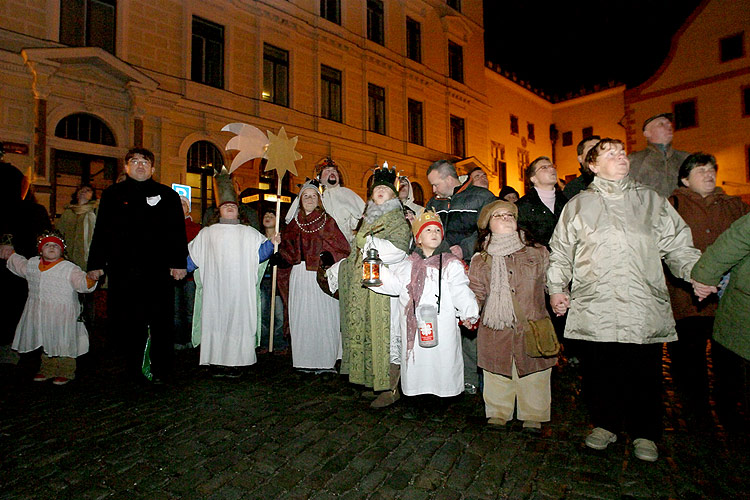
column 346, row 208
column 436, row 370
column 227, row 255
column 50, row 317
column 313, row 322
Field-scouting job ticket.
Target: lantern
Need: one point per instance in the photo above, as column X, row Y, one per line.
column 371, row 269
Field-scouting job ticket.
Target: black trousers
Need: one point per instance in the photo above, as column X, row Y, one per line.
column 624, row 387
column 689, row 365
column 732, row 387
column 139, row 302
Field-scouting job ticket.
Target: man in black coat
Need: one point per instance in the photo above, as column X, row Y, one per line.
column 139, row 241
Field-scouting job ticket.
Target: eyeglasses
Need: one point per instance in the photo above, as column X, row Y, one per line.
column 137, row 162
column 503, row 216
column 545, row 167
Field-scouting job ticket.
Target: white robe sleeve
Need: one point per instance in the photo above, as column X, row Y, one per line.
column 17, row 265
column 77, row 280
column 395, row 278
column 457, row 283
column 388, row 252
column 196, row 248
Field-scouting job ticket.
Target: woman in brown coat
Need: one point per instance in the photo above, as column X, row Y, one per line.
column 709, row 212
column 508, row 270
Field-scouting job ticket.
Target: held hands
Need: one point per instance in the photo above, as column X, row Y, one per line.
column 95, row 274
column 702, row 291
column 178, row 274
column 6, row 251
column 560, row 303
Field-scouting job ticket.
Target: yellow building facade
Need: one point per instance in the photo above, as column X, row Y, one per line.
column 361, row 81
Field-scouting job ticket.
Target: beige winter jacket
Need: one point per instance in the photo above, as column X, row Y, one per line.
column 609, row 242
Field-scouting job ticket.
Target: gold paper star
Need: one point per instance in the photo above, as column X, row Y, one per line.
column 249, row 140
column 281, row 154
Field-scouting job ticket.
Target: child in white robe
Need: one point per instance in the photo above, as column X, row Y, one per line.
column 50, row 316
column 431, row 275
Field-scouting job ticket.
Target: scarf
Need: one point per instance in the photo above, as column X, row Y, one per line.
column 498, row 309
column 373, row 212
column 419, row 265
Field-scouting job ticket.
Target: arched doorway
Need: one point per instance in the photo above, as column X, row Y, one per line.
column 72, row 168
column 203, row 158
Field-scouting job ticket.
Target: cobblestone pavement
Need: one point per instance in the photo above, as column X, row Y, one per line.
column 276, row 433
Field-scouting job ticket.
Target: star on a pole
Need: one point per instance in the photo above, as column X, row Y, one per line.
column 281, row 154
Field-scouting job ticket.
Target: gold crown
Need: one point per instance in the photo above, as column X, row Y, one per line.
column 425, row 218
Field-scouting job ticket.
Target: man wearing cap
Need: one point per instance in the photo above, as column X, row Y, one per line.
column 139, row 241
column 343, row 204
column 658, row 165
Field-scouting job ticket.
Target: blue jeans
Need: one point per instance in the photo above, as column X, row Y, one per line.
column 279, row 342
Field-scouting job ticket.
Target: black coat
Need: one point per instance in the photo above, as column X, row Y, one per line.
column 134, row 236
column 459, row 215
column 536, row 218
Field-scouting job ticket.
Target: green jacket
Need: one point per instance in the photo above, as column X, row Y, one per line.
column 730, row 252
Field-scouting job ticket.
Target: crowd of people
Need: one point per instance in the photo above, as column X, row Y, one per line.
column 464, row 291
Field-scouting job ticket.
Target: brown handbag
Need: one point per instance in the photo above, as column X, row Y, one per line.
column 539, row 335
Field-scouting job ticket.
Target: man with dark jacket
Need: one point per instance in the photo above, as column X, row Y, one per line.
column 540, row 207
column 139, row 240
column 659, row 164
column 458, row 206
column 581, row 182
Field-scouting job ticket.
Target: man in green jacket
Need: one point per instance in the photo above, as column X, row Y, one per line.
column 731, row 349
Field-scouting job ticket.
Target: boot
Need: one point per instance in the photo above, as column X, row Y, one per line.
column 388, row 397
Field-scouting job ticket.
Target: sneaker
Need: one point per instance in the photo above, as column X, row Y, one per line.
column 600, row 438
column 500, row 422
column 532, row 425
column 470, row 388
column 41, row 378
column 60, row 380
column 646, row 450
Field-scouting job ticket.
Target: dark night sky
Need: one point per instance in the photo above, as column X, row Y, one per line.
column 562, row 46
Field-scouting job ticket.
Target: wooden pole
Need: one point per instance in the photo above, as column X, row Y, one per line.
column 274, row 269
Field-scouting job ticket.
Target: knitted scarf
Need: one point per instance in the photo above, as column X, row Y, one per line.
column 419, row 265
column 498, row 309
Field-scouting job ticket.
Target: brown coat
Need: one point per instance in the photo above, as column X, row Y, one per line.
column 496, row 349
column 707, row 217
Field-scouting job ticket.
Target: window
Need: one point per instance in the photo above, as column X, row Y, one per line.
column 685, row 115
column 413, row 40
column 376, row 108
column 88, row 23
column 86, row 128
column 275, row 75
column 455, row 62
column 567, row 138
column 523, row 162
column 732, row 47
column 513, row 124
column 458, row 137
column 499, row 166
column 455, row 4
column 331, row 10
column 330, row 89
column 416, row 119
column 375, row 23
column 202, row 158
column 587, row 132
column 530, row 133
column 207, row 58
column 746, row 101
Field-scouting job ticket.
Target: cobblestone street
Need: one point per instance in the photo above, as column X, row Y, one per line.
column 276, row 433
